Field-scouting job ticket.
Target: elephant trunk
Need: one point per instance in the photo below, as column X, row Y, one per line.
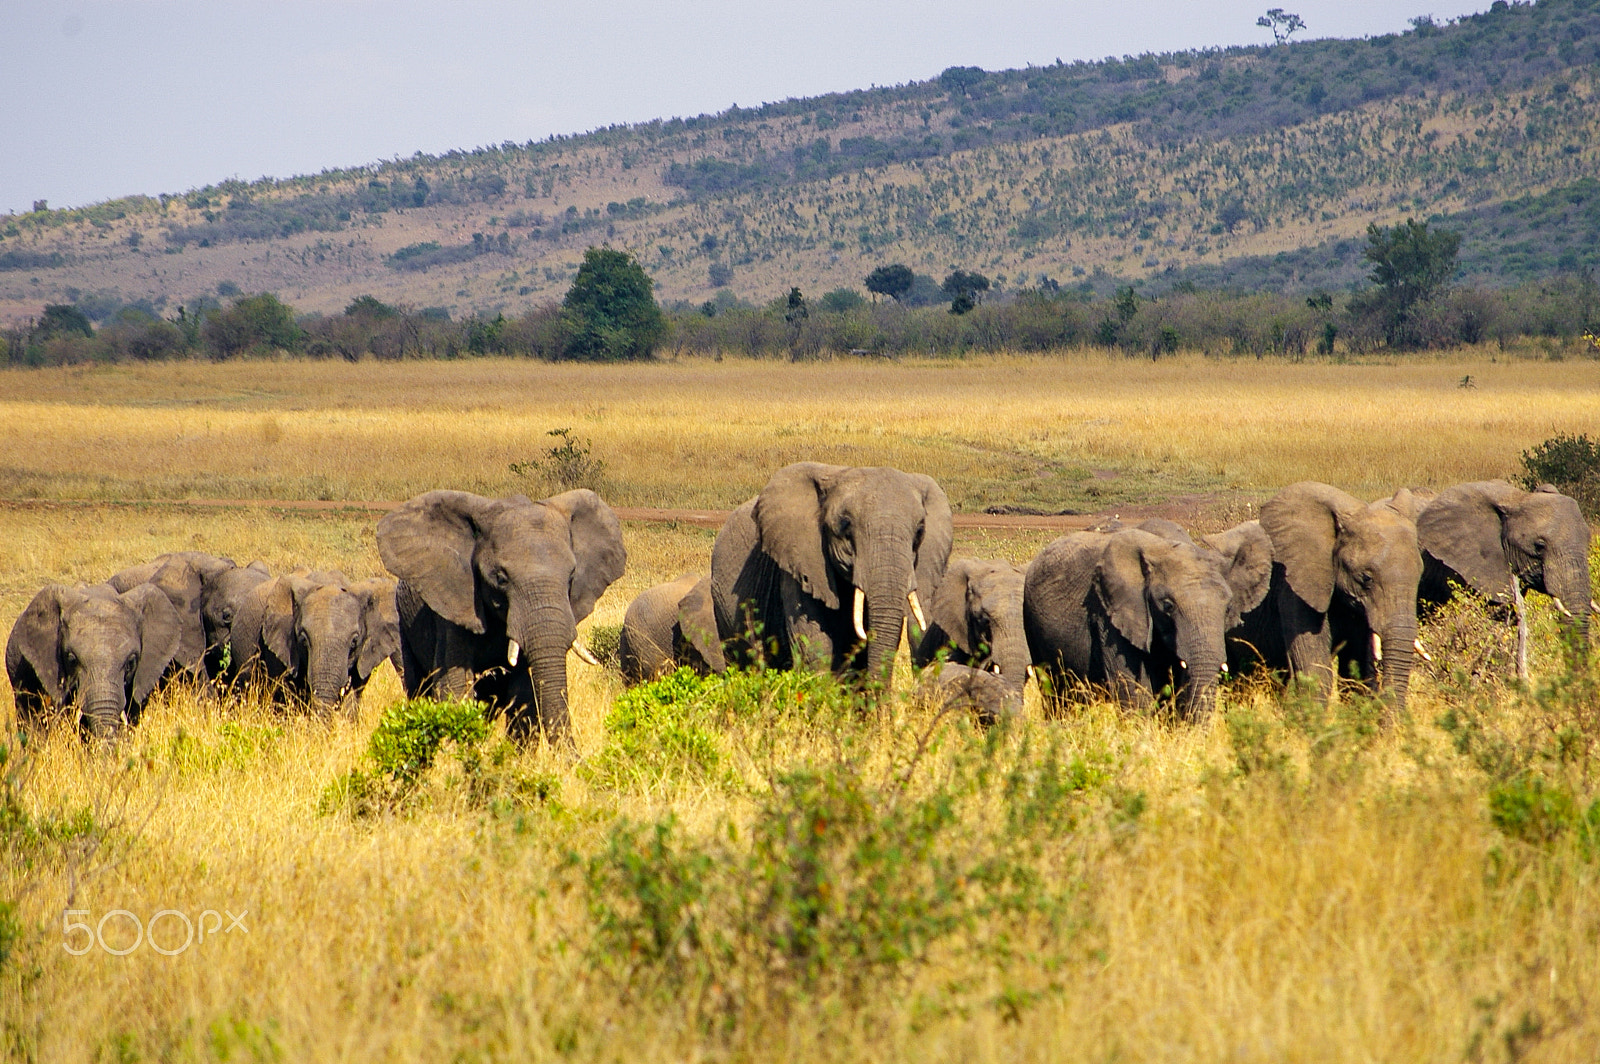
column 105, row 704
column 326, row 673
column 1202, row 652
column 541, row 624
column 1394, row 668
column 886, row 579
column 1567, row 581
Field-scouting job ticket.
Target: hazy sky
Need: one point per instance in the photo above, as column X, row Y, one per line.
column 102, row 98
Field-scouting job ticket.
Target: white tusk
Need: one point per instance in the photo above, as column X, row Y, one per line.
column 995, row 668
column 916, row 609
column 1224, row 668
column 1422, row 650
column 584, row 653
column 513, row 652
column 1377, row 647
column 1563, row 608
column 1184, row 665
column 1594, row 607
column 860, row 614
column 1030, row 673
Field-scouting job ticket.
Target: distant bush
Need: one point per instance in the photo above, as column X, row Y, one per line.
column 253, row 323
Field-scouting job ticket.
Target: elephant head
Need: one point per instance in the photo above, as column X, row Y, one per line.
column 1488, row 532
column 323, row 635
column 94, row 648
column 1174, row 601
column 861, row 542
column 207, row 592
column 976, row 616
column 514, row 577
column 1350, row 572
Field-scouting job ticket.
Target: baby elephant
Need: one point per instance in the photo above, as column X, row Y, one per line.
column 94, row 649
column 316, row 636
column 987, row 695
column 975, row 617
column 1140, row 613
column 206, row 591
column 670, row 625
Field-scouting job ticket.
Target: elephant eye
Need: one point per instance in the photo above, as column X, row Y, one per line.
column 499, row 579
column 916, row 544
column 226, row 617
column 1365, row 579
column 1539, row 545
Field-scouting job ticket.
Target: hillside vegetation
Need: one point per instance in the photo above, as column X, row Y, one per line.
column 1258, row 167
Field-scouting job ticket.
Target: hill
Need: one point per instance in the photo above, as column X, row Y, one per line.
column 1257, row 167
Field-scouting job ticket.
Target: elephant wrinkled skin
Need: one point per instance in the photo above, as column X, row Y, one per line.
column 975, row 618
column 819, row 568
column 94, row 649
column 668, row 626
column 1140, row 613
column 1344, row 590
column 491, row 593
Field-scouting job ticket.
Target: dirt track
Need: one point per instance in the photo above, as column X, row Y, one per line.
column 698, row 518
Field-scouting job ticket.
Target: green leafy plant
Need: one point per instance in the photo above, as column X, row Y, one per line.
column 1569, row 462
column 569, row 464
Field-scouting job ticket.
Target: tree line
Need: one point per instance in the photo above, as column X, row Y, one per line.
column 611, row 314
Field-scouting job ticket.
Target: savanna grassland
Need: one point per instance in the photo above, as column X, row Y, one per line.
column 753, row 869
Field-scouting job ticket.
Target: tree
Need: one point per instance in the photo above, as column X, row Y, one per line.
column 611, row 309
column 62, row 319
column 961, row 79
column 370, row 307
column 964, row 289
column 1410, row 263
column 1281, row 23
column 894, row 281
column 260, row 322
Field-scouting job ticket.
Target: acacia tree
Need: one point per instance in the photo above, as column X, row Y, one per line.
column 894, row 281
column 610, row 309
column 1410, row 264
column 964, row 289
column 1281, row 23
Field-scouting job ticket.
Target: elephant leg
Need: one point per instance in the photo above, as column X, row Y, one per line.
column 452, row 674
column 1307, row 636
column 809, row 624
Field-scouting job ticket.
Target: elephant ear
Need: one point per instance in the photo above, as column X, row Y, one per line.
column 280, row 607
column 788, row 515
column 184, row 587
column 1303, row 522
column 1464, row 529
column 380, row 623
column 947, row 610
column 160, row 634
column 1408, row 502
column 938, row 533
column 36, row 639
column 429, row 543
column 1120, row 579
column 1247, row 562
column 596, row 543
column 697, row 621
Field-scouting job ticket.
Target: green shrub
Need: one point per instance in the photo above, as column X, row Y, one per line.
column 666, row 729
column 1571, row 463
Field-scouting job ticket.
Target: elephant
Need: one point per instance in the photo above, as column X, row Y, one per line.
column 207, row 592
column 491, row 592
column 818, row 569
column 975, row 617
column 990, row 697
column 93, row 648
column 317, row 636
column 1344, row 590
column 1488, row 534
column 1140, row 613
column 670, row 625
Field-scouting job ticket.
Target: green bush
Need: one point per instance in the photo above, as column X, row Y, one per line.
column 612, row 313
column 1570, row 463
column 666, row 729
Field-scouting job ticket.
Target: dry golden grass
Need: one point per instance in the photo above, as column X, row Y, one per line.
column 1282, row 915
column 1082, row 430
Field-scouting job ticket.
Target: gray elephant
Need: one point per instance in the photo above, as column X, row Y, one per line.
column 491, row 593
column 1487, row 534
column 669, row 625
column 948, row 685
column 94, row 650
column 1344, row 590
column 975, row 618
column 316, row 637
column 207, row 592
column 1140, row 613
column 819, row 568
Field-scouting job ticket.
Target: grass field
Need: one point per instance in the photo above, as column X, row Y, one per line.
column 757, row 871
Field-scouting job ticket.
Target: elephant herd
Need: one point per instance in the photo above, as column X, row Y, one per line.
column 824, row 569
